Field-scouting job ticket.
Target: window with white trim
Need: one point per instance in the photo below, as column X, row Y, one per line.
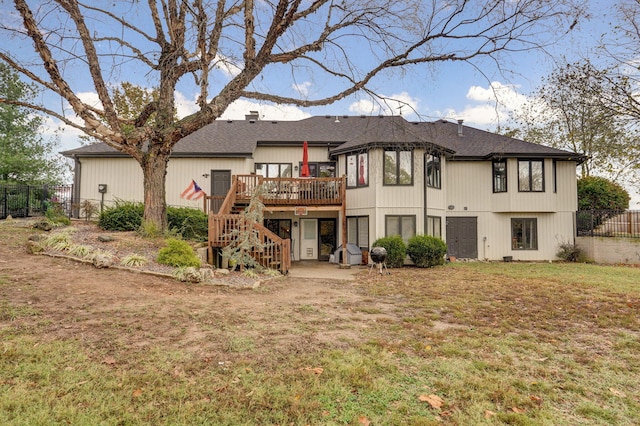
column 273, row 170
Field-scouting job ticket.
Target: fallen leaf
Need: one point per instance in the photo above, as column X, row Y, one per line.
column 518, row 410
column 364, row 421
column 137, row 393
column 488, row 414
column 316, row 370
column 536, row 399
column 616, row 392
column 434, row 400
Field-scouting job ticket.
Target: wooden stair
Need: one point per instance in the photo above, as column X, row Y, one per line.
column 271, row 251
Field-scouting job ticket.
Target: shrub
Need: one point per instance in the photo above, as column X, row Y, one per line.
column 426, row 251
column 55, row 213
column 89, row 209
column 396, row 250
column 134, row 260
column 191, row 224
column 570, row 252
column 178, row 253
column 123, row 216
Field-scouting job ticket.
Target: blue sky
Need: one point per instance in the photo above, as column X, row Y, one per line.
column 483, row 97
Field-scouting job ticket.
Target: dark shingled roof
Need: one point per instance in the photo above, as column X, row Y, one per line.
column 344, row 134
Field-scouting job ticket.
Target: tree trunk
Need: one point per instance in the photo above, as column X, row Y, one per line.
column 154, row 169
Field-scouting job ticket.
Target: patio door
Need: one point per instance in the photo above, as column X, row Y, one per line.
column 308, row 239
column 327, row 236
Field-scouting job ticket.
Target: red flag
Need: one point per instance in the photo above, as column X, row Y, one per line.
column 304, row 171
column 192, row 192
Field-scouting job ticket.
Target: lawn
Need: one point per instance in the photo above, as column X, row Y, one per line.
column 466, row 343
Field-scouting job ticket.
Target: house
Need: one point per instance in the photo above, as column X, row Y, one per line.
column 488, row 196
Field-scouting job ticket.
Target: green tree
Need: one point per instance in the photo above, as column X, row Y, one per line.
column 25, row 156
column 598, row 193
column 225, row 51
column 598, row 200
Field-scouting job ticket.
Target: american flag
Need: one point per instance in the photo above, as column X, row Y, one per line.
column 192, row 192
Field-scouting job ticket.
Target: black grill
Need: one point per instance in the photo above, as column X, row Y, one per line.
column 378, row 256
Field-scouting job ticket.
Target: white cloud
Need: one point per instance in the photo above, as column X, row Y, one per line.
column 184, row 105
column 489, row 106
column 396, row 104
column 238, row 109
column 302, row 88
column 227, row 65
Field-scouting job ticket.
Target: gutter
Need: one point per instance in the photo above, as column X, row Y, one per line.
column 75, row 198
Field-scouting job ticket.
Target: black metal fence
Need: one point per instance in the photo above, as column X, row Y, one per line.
column 34, row 200
column 608, row 223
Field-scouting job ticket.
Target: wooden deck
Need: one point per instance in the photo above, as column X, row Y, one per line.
column 294, row 191
column 283, row 194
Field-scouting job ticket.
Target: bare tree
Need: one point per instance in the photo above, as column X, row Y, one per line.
column 567, row 112
column 345, row 45
column 619, row 63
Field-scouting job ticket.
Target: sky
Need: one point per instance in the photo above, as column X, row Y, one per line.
column 482, row 96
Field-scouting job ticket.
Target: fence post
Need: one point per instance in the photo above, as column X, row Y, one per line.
column 28, row 207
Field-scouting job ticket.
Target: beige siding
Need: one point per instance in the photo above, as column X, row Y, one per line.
column 567, row 195
column 289, row 155
column 123, row 177
column 469, row 187
column 182, row 170
column 363, row 197
column 466, row 191
column 553, row 229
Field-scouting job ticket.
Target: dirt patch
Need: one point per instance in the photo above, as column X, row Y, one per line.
column 113, row 311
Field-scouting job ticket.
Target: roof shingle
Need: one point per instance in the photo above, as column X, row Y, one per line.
column 344, row 134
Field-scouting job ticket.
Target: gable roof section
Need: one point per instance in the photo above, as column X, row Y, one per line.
column 344, row 134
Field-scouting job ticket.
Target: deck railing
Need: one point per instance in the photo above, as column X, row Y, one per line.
column 271, row 251
column 293, row 191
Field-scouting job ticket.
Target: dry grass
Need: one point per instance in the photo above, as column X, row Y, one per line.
column 478, row 343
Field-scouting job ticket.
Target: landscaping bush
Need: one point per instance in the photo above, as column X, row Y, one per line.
column 570, row 252
column 396, row 250
column 178, row 253
column 123, row 216
column 55, row 213
column 191, row 224
column 426, row 251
